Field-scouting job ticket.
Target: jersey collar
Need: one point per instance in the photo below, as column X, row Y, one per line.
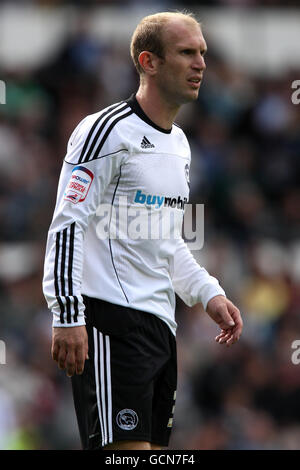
column 136, row 108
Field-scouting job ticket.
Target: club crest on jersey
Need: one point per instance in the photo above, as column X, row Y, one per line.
column 79, row 185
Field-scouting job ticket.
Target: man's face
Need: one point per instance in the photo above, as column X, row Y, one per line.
column 180, row 73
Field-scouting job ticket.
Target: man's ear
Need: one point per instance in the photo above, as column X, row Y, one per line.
column 148, row 62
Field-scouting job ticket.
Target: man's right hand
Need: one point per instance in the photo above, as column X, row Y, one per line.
column 70, row 348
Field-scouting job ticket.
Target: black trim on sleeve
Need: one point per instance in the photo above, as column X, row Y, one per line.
column 56, row 264
column 62, row 309
column 65, row 301
column 68, row 303
column 70, row 262
column 56, row 285
column 63, row 262
column 76, row 310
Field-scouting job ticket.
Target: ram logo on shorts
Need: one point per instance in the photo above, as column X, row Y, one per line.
column 127, row 419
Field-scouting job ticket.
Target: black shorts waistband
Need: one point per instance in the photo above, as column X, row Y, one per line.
column 117, row 320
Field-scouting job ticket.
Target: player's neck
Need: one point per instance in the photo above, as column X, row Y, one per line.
column 156, row 107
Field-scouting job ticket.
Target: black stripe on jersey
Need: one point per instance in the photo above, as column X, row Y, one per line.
column 60, row 291
column 70, row 262
column 108, row 132
column 56, row 264
column 92, row 130
column 60, row 302
column 63, row 262
column 68, row 302
column 109, row 241
column 76, row 311
column 62, row 309
column 100, row 130
column 70, row 279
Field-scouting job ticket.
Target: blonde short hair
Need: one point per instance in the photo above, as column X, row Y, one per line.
column 148, row 35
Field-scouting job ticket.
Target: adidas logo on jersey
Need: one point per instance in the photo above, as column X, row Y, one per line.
column 145, row 144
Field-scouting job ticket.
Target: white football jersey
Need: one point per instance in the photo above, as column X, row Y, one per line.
column 116, row 229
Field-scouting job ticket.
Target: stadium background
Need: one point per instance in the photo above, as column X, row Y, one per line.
column 63, row 60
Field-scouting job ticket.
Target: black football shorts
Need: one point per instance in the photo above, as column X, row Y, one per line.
column 128, row 388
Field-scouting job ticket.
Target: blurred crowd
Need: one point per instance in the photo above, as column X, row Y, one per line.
column 244, row 134
column 187, row 3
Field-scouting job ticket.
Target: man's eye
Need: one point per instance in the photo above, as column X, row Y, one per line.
column 187, row 51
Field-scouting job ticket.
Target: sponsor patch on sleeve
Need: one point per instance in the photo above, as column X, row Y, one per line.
column 79, row 184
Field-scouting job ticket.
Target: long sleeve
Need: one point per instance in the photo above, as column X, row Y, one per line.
column 191, row 282
column 85, row 175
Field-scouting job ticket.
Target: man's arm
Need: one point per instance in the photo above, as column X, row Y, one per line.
column 82, row 183
column 193, row 284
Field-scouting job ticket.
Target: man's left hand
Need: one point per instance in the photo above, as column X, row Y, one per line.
column 228, row 317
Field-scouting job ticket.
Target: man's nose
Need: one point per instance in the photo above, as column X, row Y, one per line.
column 199, row 63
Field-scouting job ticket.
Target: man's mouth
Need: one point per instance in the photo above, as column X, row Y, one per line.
column 195, row 82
